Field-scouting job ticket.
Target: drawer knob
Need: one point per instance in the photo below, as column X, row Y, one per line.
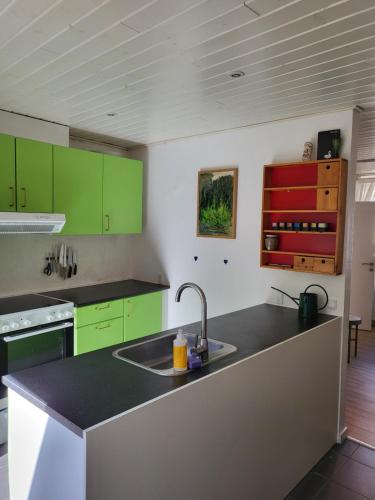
column 323, row 261
column 327, row 191
column 303, row 260
column 328, row 167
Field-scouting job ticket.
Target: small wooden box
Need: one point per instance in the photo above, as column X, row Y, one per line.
column 326, row 199
column 302, row 263
column 324, row 265
column 328, row 173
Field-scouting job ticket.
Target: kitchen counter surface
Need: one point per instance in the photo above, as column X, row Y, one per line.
column 93, row 294
column 86, row 390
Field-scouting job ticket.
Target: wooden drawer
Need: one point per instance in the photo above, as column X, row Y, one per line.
column 326, row 199
column 88, row 315
column 324, row 265
column 99, row 335
column 302, row 263
column 328, row 173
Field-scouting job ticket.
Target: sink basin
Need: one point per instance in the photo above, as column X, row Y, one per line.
column 155, row 355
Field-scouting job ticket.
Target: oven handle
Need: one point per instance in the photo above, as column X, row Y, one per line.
column 12, row 338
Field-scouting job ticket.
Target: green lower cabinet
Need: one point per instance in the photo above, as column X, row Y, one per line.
column 98, row 335
column 7, row 173
column 142, row 315
column 87, row 315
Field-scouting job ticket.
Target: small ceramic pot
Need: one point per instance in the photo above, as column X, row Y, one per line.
column 322, row 227
column 305, row 226
column 271, row 242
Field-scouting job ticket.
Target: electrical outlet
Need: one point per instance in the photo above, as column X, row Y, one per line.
column 332, row 303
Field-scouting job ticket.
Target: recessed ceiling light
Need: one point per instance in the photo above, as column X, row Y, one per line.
column 237, row 74
column 112, row 114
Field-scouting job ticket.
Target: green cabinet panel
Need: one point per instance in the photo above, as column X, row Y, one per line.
column 142, row 315
column 7, row 174
column 99, row 335
column 34, row 176
column 78, row 183
column 122, row 195
column 99, row 312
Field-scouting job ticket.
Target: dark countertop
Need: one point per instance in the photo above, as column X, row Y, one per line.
column 93, row 294
column 85, row 390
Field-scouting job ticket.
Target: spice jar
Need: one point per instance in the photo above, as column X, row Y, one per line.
column 271, row 242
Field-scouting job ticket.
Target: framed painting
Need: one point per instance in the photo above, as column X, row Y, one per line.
column 217, row 202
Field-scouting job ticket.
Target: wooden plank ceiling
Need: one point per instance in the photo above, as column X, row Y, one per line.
column 162, row 67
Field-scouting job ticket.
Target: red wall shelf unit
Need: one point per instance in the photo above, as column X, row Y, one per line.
column 304, row 192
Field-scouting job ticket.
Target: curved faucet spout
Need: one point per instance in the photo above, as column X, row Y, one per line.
column 202, row 345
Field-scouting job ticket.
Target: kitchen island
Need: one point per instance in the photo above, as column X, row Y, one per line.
column 249, row 425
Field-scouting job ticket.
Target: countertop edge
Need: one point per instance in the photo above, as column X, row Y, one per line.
column 21, row 391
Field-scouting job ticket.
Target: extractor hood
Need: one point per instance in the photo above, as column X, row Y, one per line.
column 22, row 222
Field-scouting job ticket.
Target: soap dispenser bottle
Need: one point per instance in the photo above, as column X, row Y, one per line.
column 180, row 352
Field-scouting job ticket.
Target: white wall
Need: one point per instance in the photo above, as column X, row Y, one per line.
column 22, row 257
column 168, row 245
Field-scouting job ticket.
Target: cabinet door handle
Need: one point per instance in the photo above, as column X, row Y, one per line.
column 24, row 197
column 12, row 200
column 328, row 167
column 107, row 222
column 327, row 191
column 100, row 308
column 98, row 327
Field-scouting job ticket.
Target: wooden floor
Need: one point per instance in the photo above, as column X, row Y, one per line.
column 360, row 390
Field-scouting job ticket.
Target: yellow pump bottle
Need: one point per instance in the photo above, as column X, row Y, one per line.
column 180, row 352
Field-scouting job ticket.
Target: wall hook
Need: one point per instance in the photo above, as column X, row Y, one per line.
column 226, row 261
column 195, row 258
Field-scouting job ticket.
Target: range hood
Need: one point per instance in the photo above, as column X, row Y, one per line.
column 22, row 222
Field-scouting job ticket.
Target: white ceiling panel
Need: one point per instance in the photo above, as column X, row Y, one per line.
column 163, row 66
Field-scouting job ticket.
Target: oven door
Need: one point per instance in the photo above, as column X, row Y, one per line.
column 30, row 348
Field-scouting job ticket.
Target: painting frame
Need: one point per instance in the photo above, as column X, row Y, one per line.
column 218, row 171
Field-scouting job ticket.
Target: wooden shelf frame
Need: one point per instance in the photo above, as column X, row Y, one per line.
column 282, row 231
column 304, row 254
column 300, row 188
column 335, row 217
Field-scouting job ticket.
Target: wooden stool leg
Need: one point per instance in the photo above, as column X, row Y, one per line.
column 356, row 340
column 349, row 341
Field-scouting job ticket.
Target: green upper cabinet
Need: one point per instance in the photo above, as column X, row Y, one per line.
column 142, row 315
column 122, row 195
column 78, row 184
column 34, row 176
column 7, row 174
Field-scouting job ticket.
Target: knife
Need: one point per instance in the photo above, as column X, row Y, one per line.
column 75, row 265
column 61, row 261
column 70, row 262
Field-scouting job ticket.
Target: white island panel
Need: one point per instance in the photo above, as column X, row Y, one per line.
column 249, row 431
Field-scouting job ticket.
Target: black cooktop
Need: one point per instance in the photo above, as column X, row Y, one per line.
column 11, row 305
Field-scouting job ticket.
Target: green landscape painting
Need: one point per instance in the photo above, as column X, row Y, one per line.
column 217, row 203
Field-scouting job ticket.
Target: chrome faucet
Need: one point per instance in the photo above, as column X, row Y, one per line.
column 201, row 345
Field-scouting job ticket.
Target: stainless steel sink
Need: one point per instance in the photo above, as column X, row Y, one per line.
column 155, row 355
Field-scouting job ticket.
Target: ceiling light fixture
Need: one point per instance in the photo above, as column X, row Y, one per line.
column 112, row 114
column 237, row 74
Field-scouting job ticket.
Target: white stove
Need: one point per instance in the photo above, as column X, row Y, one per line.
column 34, row 329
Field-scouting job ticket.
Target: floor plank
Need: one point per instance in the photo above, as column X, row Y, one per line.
column 360, row 390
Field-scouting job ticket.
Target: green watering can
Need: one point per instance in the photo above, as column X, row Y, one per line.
column 307, row 302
